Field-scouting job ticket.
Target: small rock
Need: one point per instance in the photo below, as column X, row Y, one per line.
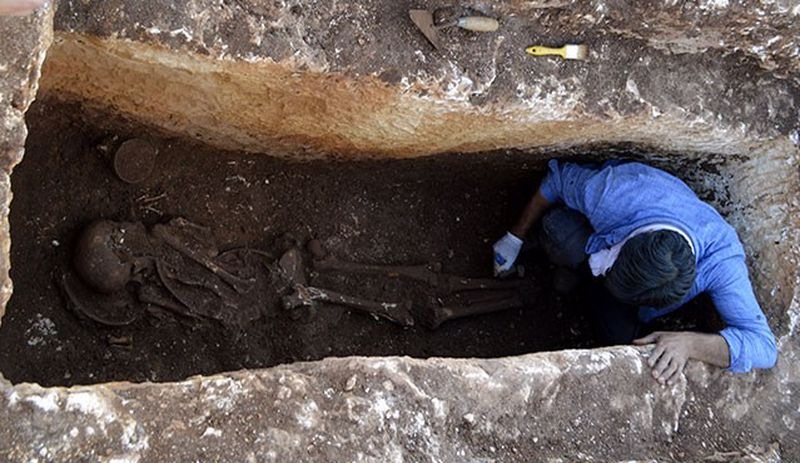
column 211, row 432
column 124, row 342
column 351, row 383
column 284, row 393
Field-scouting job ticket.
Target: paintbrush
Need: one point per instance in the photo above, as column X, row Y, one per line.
column 570, row 51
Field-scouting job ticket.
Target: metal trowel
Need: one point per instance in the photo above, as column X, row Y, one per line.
column 424, row 21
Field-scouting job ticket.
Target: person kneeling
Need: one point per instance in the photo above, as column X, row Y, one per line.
column 655, row 246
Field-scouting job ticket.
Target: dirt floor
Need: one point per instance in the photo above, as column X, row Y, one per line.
column 447, row 209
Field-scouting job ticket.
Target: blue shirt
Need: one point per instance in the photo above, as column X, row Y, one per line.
column 618, row 198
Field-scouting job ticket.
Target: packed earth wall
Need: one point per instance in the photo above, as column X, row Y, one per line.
column 687, row 84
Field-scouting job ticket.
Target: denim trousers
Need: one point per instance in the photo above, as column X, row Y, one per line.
column 562, row 236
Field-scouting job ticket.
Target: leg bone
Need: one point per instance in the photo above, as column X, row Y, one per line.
column 397, row 312
column 425, row 273
column 439, row 315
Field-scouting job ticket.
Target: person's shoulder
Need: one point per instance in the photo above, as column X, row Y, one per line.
column 637, row 172
column 721, row 246
column 616, row 170
column 616, row 163
column 632, row 166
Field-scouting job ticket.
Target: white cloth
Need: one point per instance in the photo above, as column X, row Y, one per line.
column 601, row 261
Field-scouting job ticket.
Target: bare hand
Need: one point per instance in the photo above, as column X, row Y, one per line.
column 19, row 7
column 670, row 354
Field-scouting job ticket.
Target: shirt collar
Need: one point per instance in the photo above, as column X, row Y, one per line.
column 601, row 261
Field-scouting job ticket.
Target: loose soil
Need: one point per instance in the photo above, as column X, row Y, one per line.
column 446, row 209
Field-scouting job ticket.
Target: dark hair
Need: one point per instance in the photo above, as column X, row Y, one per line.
column 654, row 269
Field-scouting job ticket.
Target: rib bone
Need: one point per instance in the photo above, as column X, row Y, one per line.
column 241, row 285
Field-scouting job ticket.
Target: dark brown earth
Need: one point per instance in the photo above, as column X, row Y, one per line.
column 447, row 209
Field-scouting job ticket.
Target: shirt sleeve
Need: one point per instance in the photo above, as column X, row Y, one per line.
column 569, row 183
column 750, row 340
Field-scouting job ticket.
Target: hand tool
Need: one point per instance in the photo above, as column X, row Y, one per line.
column 570, row 51
column 424, row 21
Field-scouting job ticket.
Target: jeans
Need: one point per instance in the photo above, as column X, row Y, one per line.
column 563, row 236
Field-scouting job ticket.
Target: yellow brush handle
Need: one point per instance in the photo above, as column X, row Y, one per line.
column 538, row 50
column 478, row 23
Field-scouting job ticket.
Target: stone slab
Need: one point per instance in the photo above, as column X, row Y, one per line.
column 22, row 51
column 565, row 406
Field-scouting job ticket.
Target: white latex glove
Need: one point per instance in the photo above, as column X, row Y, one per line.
column 506, row 251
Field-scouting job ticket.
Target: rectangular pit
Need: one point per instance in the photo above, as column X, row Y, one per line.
column 446, row 209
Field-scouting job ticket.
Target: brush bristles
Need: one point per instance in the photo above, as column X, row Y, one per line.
column 576, row 52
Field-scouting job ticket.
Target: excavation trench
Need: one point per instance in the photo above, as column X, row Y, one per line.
column 444, row 210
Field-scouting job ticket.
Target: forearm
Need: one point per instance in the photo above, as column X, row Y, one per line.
column 710, row 348
column 533, row 212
